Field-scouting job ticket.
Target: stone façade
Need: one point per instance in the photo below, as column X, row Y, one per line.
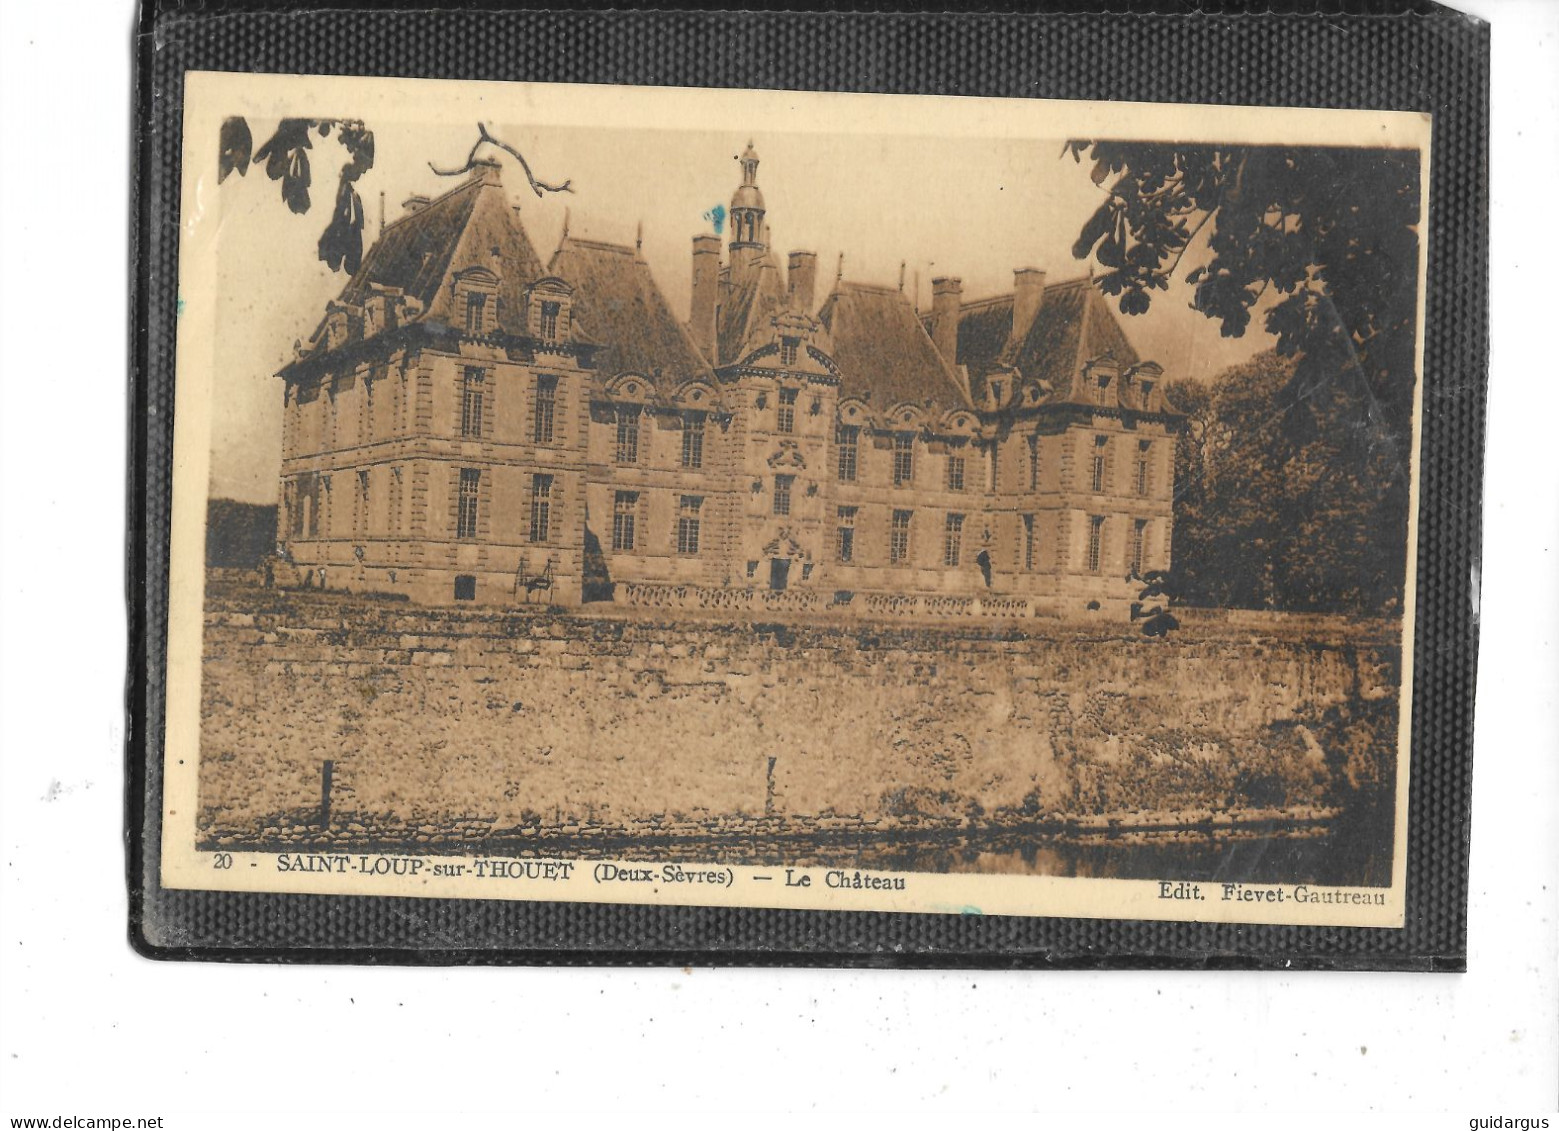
column 469, row 423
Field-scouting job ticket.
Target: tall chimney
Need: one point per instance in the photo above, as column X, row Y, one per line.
column 488, row 171
column 946, row 300
column 802, row 280
column 706, row 292
column 1028, row 295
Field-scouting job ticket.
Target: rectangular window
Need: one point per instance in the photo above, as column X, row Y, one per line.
column 782, row 486
column 1098, row 473
column 471, row 393
column 1139, row 541
column 789, row 347
column 628, row 434
column 470, row 494
column 544, row 413
column 845, row 542
column 953, row 540
column 1029, row 545
column 549, row 320
column 1034, row 463
column 995, row 462
column 1095, row 541
column 1144, row 470
column 688, row 508
column 786, row 417
column 847, row 438
column 540, row 507
column 693, row 440
column 362, row 498
column 898, row 537
column 476, row 313
column 955, row 473
column 624, row 510
column 903, row 459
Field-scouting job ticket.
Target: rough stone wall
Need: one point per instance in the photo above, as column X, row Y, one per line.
column 556, row 719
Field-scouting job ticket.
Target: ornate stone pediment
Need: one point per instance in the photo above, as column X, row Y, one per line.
column 788, row 455
column 784, row 545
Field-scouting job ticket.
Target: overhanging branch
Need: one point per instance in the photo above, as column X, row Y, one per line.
column 486, row 138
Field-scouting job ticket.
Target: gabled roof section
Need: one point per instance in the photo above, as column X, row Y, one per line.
column 1073, row 326
column 984, row 338
column 984, row 332
column 618, row 304
column 754, row 298
column 883, row 352
column 471, row 226
column 414, row 252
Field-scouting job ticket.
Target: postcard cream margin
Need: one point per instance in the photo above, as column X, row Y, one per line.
column 209, row 97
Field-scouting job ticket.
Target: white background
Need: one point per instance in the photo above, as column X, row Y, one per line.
column 89, row 1028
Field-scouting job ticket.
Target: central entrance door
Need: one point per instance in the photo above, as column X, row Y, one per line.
column 779, row 572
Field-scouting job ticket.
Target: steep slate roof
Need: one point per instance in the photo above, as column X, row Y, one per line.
column 618, row 304
column 746, row 309
column 472, row 225
column 883, row 352
column 984, row 330
column 1074, row 325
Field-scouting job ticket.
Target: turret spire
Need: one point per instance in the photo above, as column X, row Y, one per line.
column 749, row 233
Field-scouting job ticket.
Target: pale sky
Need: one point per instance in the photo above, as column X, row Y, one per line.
column 975, row 207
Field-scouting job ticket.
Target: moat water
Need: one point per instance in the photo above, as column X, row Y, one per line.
column 1352, row 851
column 1320, row 859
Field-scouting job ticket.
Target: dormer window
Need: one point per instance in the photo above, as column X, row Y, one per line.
column 476, row 313
column 476, row 300
column 548, row 305
column 336, row 327
column 1147, row 392
column 996, row 391
column 789, row 347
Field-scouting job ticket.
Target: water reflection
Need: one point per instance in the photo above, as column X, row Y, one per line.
column 1345, row 857
column 1274, row 859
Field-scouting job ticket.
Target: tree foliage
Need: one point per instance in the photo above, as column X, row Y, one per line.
column 286, row 158
column 1265, row 520
column 1325, row 241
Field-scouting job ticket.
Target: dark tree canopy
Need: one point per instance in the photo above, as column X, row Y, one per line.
column 1266, row 521
column 1312, row 441
column 1331, row 232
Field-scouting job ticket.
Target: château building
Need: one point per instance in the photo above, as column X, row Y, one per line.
column 472, row 424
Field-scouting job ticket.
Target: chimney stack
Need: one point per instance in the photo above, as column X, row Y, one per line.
column 706, row 292
column 946, row 301
column 1028, row 295
column 802, row 280
column 487, row 171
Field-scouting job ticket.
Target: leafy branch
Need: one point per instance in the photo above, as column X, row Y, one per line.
column 286, row 157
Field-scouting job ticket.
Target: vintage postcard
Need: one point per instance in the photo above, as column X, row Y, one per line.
column 794, row 500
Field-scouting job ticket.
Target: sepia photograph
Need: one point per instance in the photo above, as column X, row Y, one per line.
column 794, row 500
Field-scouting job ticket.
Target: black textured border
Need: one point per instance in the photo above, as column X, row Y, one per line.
column 1375, row 54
